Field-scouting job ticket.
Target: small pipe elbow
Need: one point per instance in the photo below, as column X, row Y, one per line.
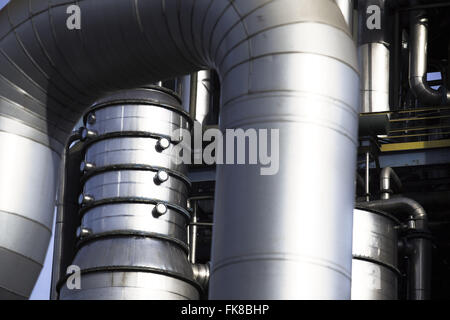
column 425, row 93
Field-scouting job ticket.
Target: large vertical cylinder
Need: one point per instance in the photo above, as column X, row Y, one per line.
column 288, row 235
column 133, row 241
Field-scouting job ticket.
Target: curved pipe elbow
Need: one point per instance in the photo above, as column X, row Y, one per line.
column 400, row 206
column 388, row 175
column 418, row 65
column 425, row 93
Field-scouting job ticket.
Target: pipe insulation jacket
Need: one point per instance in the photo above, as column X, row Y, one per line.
column 289, row 65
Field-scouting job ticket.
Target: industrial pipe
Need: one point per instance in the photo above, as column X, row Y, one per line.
column 270, row 57
column 346, row 7
column 418, row 64
column 387, row 175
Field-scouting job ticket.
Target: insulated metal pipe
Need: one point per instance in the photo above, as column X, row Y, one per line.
column 346, row 7
column 387, row 175
column 374, row 55
column 270, row 56
column 418, row 63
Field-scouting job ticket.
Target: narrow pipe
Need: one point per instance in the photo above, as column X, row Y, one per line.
column 193, row 234
column 367, row 180
column 419, row 268
column 418, row 63
column 387, row 175
column 193, row 95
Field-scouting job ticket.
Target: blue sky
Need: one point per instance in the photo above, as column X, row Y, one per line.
column 42, row 288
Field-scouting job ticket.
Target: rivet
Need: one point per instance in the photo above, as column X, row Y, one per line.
column 86, row 166
column 85, row 199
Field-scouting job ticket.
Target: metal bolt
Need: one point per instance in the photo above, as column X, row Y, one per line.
column 163, row 144
column 85, row 199
column 160, row 209
column 91, row 118
column 161, row 176
column 87, row 134
column 86, row 166
column 83, row 232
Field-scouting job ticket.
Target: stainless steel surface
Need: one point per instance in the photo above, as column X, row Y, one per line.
column 375, row 237
column 136, row 218
column 412, row 213
column 192, row 231
column 374, row 66
column 418, row 64
column 133, row 268
column 26, row 206
column 375, row 256
column 346, row 7
column 67, row 218
column 202, row 96
column 201, row 274
column 371, row 281
column 388, row 174
column 274, row 237
column 269, row 79
column 136, row 184
column 134, row 200
column 420, row 273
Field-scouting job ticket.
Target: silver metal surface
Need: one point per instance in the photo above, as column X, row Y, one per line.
column 131, row 285
column 136, row 184
column 138, row 118
column 415, row 216
column 134, row 200
column 274, row 237
column 154, row 270
column 201, row 274
column 374, row 66
column 375, row 256
column 388, row 174
column 371, row 281
column 26, row 207
column 136, row 218
column 202, row 96
column 375, row 237
column 269, row 79
column 346, row 7
column 418, row 65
